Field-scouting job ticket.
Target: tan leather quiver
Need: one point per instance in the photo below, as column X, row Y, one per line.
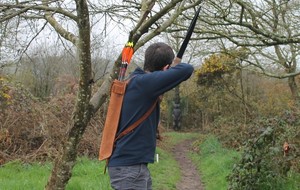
column 112, row 118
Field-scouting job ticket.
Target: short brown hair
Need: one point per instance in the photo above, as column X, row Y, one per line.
column 157, row 56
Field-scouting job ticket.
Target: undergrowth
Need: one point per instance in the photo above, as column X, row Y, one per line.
column 263, row 164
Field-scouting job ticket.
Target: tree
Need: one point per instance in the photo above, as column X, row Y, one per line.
column 75, row 15
column 269, row 29
column 221, row 76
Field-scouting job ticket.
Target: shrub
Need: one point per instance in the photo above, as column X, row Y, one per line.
column 263, row 164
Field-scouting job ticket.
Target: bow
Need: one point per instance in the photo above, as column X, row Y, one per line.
column 128, row 50
column 187, row 38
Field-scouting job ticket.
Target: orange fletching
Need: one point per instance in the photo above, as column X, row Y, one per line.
column 127, row 53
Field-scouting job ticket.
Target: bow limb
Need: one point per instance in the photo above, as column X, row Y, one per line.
column 186, row 39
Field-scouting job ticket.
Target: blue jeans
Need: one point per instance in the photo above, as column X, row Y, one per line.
column 135, row 177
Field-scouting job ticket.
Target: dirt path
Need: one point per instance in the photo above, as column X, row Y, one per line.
column 190, row 178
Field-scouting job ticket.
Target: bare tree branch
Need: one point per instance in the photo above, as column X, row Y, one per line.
column 64, row 33
column 25, row 8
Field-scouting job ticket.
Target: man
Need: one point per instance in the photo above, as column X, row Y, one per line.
column 127, row 166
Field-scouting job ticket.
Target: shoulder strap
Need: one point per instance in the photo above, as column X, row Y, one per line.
column 135, row 124
column 132, row 127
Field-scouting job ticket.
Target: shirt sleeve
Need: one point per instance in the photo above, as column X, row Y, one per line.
column 159, row 82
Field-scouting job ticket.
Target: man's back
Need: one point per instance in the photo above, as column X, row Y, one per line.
column 142, row 91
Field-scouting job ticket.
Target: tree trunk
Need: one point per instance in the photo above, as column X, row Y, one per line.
column 294, row 89
column 61, row 172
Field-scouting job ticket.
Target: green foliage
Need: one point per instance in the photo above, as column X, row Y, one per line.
column 221, row 91
column 217, row 65
column 262, row 165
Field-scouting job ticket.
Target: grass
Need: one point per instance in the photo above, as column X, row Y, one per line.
column 173, row 138
column 293, row 181
column 15, row 175
column 166, row 173
column 87, row 175
column 215, row 163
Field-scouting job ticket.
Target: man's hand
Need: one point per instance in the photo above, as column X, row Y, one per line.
column 176, row 61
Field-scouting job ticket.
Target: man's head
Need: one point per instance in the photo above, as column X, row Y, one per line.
column 157, row 56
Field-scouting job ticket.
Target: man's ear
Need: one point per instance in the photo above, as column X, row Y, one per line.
column 166, row 67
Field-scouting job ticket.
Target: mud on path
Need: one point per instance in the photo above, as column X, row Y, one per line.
column 190, row 179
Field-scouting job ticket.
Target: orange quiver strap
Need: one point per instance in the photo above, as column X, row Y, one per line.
column 112, row 118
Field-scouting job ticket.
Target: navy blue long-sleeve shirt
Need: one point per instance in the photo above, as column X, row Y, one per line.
column 143, row 89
